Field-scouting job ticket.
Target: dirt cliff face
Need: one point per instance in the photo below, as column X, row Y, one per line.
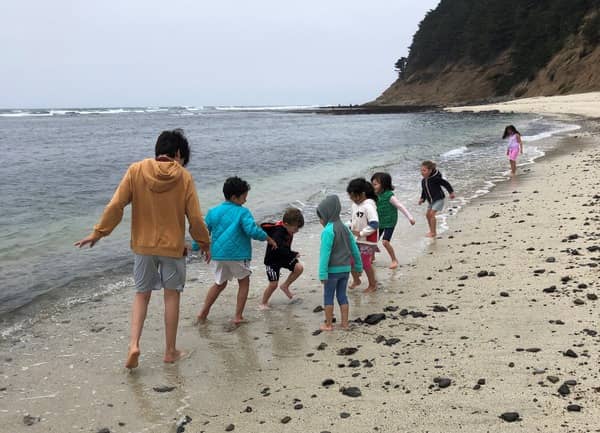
column 574, row 69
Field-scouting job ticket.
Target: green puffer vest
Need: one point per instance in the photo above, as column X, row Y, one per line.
column 388, row 214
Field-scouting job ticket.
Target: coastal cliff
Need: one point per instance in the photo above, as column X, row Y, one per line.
column 468, row 51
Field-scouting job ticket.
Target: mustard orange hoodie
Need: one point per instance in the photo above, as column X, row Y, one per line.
column 162, row 194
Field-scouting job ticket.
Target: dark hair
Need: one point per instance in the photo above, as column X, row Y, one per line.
column 293, row 216
column 508, row 130
column 360, row 185
column 169, row 142
column 429, row 164
column 384, row 179
column 235, row 187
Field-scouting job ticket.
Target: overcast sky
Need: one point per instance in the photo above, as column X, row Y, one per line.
column 73, row 53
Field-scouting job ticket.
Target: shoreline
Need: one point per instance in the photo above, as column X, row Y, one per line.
column 231, row 370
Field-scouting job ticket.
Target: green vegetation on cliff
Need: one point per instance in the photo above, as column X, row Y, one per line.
column 478, row 31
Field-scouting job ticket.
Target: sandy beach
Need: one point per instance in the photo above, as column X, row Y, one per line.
column 499, row 315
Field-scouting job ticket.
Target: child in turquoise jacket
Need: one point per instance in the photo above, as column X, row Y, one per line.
column 339, row 255
column 232, row 227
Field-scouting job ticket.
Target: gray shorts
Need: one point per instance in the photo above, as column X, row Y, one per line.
column 437, row 205
column 156, row 272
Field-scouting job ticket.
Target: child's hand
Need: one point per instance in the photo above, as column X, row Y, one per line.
column 271, row 242
column 91, row 240
column 452, row 196
column 420, row 201
column 412, row 221
column 356, row 233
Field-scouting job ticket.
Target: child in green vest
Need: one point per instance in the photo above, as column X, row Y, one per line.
column 387, row 210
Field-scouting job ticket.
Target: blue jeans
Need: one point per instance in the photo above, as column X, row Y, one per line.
column 336, row 285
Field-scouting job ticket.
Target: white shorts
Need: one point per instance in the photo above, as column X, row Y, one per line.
column 227, row 270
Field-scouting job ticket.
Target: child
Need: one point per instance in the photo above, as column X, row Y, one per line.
column 338, row 247
column 282, row 233
column 431, row 190
column 364, row 225
column 515, row 146
column 232, row 226
column 387, row 211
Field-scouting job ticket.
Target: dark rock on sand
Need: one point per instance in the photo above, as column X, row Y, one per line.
column 510, row 416
column 463, row 277
column 230, row 427
column 285, row 419
column 391, row 308
column 504, row 294
column 481, row 382
column 328, row 382
column 351, row 391
column 322, row 346
column 443, row 382
column 347, row 351
column 318, row 309
column 570, row 353
column 298, row 406
column 392, row 341
column 482, row 274
column 248, row 409
column 30, row 420
column 592, row 296
column 439, row 309
column 163, row 388
column 551, row 260
column 344, row 415
column 533, row 349
column 104, row 430
column 553, row 379
column 373, row 319
column 574, row 408
column 550, row 289
column 564, row 390
column 317, row 332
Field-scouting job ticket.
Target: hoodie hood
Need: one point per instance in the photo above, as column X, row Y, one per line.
column 161, row 176
column 329, row 209
column 435, row 174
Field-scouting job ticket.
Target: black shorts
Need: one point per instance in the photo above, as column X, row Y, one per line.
column 274, row 270
column 386, row 234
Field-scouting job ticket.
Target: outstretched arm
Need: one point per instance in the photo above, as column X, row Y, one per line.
column 396, row 203
column 112, row 215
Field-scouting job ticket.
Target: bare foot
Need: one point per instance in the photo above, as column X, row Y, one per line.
column 132, row 358
column 355, row 284
column 370, row 289
column 238, row 320
column 345, row 327
column 171, row 358
column 394, row 265
column 264, row 307
column 325, row 327
column 430, row 235
column 200, row 320
column 286, row 290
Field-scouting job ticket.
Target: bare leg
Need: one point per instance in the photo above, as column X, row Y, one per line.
column 432, row 223
column 372, row 281
column 388, row 247
column 328, row 325
column 355, row 280
column 242, row 296
column 172, row 298
column 138, row 316
column 285, row 287
column 344, row 309
column 264, row 305
column 513, row 167
column 212, row 295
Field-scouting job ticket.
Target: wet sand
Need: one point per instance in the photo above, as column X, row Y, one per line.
column 538, row 231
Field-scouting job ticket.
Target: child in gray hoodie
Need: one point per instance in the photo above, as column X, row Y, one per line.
column 339, row 255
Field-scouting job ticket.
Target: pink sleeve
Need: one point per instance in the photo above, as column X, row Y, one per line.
column 396, row 203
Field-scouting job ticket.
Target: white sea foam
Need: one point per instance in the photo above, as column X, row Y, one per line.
column 547, row 134
column 454, row 152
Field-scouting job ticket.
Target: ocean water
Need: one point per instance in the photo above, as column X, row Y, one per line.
column 60, row 167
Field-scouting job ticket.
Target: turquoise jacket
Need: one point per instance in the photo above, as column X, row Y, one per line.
column 231, row 227
column 327, row 246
